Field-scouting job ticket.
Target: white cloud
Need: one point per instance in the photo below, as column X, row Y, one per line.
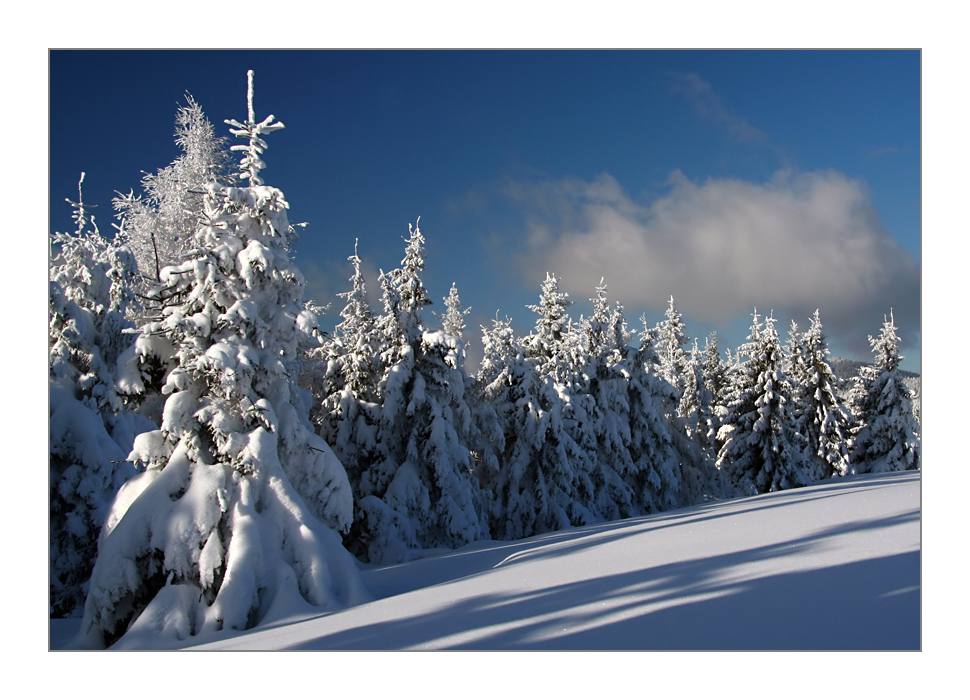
column 724, row 246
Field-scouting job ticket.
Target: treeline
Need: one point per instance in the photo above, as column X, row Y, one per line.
column 212, row 447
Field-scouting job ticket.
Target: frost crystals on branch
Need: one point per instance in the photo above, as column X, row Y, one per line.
column 159, row 225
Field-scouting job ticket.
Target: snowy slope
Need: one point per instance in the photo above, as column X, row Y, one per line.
column 832, row 566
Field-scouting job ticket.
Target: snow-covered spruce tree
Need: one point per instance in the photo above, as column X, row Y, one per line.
column 159, row 224
column 917, row 403
column 240, row 498
column 492, row 404
column 713, row 366
column 422, row 493
column 885, row 434
column 528, row 499
column 714, row 374
column 669, row 344
column 522, row 506
column 822, row 417
column 542, row 481
column 453, row 320
column 672, row 470
column 791, row 354
column 699, row 478
column 762, row 449
column 547, row 345
column 652, row 401
column 90, row 432
column 697, row 402
column 343, row 378
column 485, row 434
column 566, row 456
column 605, row 432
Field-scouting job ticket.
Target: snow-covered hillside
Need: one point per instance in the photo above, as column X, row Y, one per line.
column 846, row 369
column 830, row 566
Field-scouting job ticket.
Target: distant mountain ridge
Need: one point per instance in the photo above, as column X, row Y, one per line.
column 845, row 368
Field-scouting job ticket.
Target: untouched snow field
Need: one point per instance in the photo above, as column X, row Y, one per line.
column 830, row 566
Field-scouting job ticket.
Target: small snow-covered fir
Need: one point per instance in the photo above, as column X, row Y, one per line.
column 885, row 434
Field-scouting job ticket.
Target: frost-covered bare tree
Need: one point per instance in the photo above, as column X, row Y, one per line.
column 159, row 223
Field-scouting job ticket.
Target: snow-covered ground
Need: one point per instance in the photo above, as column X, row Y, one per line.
column 831, row 566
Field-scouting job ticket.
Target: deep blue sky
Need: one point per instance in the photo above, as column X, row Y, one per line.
column 787, row 180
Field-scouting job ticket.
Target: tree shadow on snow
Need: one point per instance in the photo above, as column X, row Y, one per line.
column 427, row 572
column 704, row 603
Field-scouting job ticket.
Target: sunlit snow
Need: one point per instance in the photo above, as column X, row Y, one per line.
column 830, row 566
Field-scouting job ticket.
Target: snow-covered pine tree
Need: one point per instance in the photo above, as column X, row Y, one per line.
column 547, row 344
column 792, row 353
column 528, row 499
column 917, row 403
column 762, row 449
column 604, row 344
column 822, row 417
column 669, row 344
column 492, row 398
column 566, row 456
column 885, row 435
column 343, row 377
column 698, row 478
column 542, row 481
column 422, row 492
column 485, row 432
column 90, row 432
column 524, row 504
column 714, row 373
column 159, row 224
column 240, row 498
column 453, row 320
column 713, row 366
column 653, row 403
column 697, row 402
column 672, row 469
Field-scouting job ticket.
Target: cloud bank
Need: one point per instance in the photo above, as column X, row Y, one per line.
column 724, row 246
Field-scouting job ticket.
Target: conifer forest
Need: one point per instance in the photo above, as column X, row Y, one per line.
column 214, row 442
